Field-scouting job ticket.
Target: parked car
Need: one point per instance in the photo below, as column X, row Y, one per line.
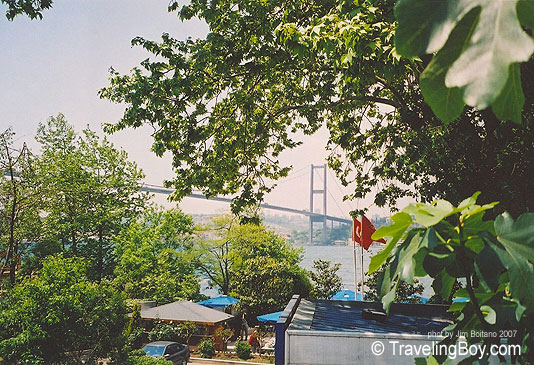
column 172, row 351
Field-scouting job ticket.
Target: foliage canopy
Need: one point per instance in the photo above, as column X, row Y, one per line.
column 227, row 105
column 60, row 315
column 493, row 257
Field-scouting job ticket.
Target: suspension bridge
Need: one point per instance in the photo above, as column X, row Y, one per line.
column 314, row 217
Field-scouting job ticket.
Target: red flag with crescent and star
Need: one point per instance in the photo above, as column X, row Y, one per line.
column 368, row 230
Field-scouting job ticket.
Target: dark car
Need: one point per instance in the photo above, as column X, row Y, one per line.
column 172, row 351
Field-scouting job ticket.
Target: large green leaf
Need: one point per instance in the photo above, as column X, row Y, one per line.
column 429, row 215
column 520, row 232
column 496, row 42
column 525, row 13
column 514, row 247
column 447, row 103
column 401, row 222
column 443, row 284
column 488, row 268
column 406, row 255
column 510, row 101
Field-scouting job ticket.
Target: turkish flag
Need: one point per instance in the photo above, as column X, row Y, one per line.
column 368, row 230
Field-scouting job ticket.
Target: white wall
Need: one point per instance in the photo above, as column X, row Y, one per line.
column 305, row 347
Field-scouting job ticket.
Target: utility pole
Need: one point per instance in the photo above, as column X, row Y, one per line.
column 322, row 192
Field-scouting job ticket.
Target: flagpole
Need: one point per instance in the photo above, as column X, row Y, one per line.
column 355, row 260
column 361, row 266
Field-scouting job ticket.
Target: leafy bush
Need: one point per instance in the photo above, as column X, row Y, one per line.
column 139, row 357
column 164, row 332
column 61, row 300
column 242, row 350
column 206, row 348
column 136, row 337
column 493, row 257
column 186, row 330
column 223, row 335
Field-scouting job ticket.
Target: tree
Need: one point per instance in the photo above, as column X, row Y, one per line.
column 187, row 329
column 135, row 319
column 405, row 293
column 226, row 106
column 212, row 252
column 32, row 8
column 225, row 246
column 264, row 284
column 91, row 191
column 19, row 204
column 61, row 316
column 493, row 257
column 325, row 280
column 152, row 258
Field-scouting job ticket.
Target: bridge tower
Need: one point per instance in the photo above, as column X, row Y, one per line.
column 314, row 192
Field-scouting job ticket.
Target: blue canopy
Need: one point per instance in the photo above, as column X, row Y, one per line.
column 271, row 318
column 460, row 300
column 346, row 295
column 219, row 302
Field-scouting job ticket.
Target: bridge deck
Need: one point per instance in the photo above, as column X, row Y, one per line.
column 160, row 190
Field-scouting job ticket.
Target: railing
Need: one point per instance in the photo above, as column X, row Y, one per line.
column 281, row 327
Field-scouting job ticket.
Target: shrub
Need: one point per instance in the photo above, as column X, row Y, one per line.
column 135, row 357
column 206, row 348
column 223, row 335
column 164, row 332
column 136, row 337
column 242, row 350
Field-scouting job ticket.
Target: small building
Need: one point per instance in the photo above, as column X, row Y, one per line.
column 184, row 311
column 348, row 332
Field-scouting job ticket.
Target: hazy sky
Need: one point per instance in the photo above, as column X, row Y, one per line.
column 59, row 63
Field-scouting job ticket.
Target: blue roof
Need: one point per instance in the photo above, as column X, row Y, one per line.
column 347, row 317
column 269, row 317
column 219, row 302
column 346, row 295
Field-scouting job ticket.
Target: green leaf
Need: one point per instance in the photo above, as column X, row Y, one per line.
column 389, row 297
column 518, row 235
column 489, row 314
column 401, row 222
column 426, row 361
column 430, row 239
column 513, row 256
column 434, row 262
column 519, row 310
column 497, row 42
column 525, row 13
column 443, row 284
column 406, row 267
column 510, row 101
column 429, row 215
column 418, row 23
column 481, row 70
column 447, row 103
column 457, row 306
column 488, row 268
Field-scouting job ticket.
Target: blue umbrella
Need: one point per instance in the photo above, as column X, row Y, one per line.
column 346, row 295
column 222, row 301
column 271, row 318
